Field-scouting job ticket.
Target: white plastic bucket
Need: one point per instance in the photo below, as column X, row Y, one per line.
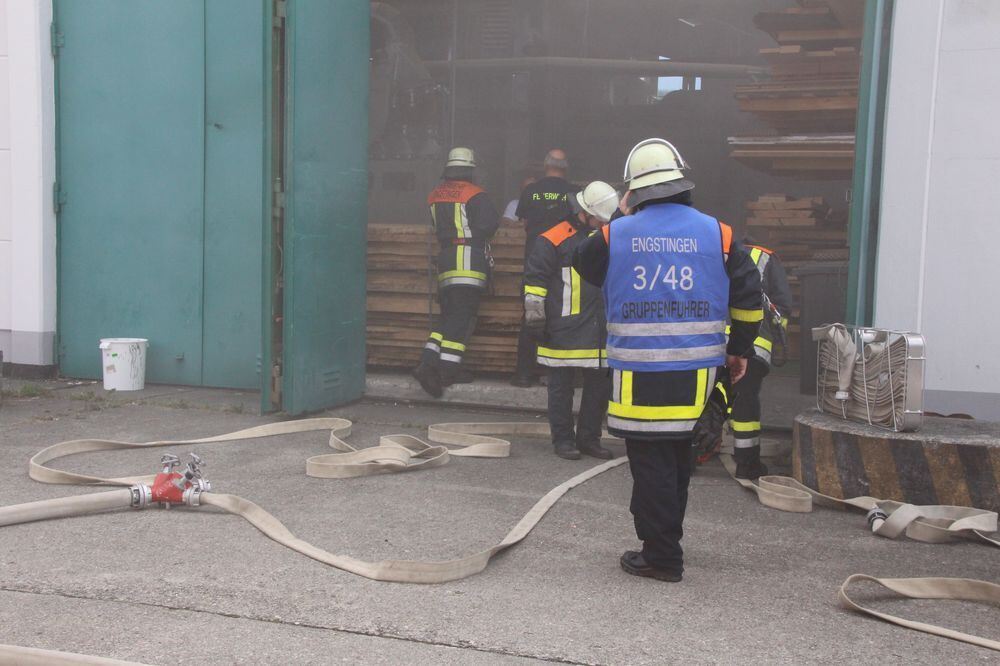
column 124, row 363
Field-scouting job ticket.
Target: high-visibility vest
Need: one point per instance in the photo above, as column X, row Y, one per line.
column 462, row 260
column 667, row 291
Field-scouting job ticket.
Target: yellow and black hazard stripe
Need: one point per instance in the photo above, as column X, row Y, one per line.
column 637, row 407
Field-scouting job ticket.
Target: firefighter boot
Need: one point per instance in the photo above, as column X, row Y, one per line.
column 430, row 380
column 595, row 450
column 567, row 450
column 455, row 374
column 748, row 464
column 634, row 563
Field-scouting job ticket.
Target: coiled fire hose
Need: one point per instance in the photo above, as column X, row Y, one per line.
column 397, row 453
column 860, row 393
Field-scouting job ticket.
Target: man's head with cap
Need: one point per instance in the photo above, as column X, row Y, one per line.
column 555, row 163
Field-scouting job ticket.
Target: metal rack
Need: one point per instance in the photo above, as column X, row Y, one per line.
column 871, row 375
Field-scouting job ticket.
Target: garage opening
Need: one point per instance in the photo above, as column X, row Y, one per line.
column 759, row 96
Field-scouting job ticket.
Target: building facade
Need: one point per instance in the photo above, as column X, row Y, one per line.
column 27, row 174
column 939, row 161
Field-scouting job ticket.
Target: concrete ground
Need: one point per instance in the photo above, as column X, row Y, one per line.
column 196, row 586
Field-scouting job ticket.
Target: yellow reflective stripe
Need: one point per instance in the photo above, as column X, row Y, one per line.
column 437, row 336
column 763, row 343
column 468, row 274
column 746, row 426
column 755, row 255
column 459, row 231
column 460, row 257
column 571, row 353
column 672, row 413
column 574, row 279
column 722, row 390
column 746, row 315
column 626, row 387
column 453, row 345
column 699, row 396
column 535, row 291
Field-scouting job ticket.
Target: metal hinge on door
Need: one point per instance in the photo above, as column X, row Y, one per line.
column 58, row 197
column 56, row 40
column 280, row 12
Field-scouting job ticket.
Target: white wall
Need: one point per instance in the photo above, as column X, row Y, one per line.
column 940, row 211
column 27, row 172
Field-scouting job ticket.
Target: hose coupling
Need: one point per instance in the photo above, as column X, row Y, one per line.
column 142, row 495
column 876, row 516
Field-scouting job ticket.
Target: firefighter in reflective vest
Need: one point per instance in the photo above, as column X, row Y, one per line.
column 565, row 315
column 464, row 220
column 672, row 276
column 745, row 417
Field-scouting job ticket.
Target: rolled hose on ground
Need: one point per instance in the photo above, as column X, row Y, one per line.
column 65, row 507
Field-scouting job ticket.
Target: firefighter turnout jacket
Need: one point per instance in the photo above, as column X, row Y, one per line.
column 672, row 276
column 774, row 281
column 464, row 220
column 574, row 308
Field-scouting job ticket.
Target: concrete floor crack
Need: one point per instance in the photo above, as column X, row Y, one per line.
column 379, row 633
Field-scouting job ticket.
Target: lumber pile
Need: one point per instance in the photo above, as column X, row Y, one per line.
column 801, row 231
column 811, row 97
column 810, row 104
column 811, row 156
column 402, row 286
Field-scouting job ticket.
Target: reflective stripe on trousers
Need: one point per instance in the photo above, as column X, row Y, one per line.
column 571, row 358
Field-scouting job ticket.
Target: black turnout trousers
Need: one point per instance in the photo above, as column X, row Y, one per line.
column 661, row 473
column 593, row 405
column 459, row 307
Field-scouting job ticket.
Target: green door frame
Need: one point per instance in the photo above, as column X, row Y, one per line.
column 866, row 184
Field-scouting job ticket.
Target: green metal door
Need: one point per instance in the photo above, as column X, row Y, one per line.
column 161, row 110
column 326, row 157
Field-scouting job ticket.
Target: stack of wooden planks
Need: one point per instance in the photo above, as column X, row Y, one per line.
column 811, row 97
column 801, row 231
column 779, row 210
column 810, row 103
column 402, row 290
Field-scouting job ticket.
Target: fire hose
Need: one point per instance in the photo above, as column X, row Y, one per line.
column 890, row 519
column 397, row 453
column 859, row 395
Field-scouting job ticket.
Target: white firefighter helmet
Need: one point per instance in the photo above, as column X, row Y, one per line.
column 652, row 162
column 461, row 157
column 598, row 199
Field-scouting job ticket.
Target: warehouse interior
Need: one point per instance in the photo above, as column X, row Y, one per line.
column 760, row 97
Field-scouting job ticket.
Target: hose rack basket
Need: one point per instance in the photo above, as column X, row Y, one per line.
column 870, row 375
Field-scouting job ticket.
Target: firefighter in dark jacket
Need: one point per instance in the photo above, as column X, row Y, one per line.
column 566, row 317
column 543, row 204
column 464, row 220
column 671, row 276
column 745, row 417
